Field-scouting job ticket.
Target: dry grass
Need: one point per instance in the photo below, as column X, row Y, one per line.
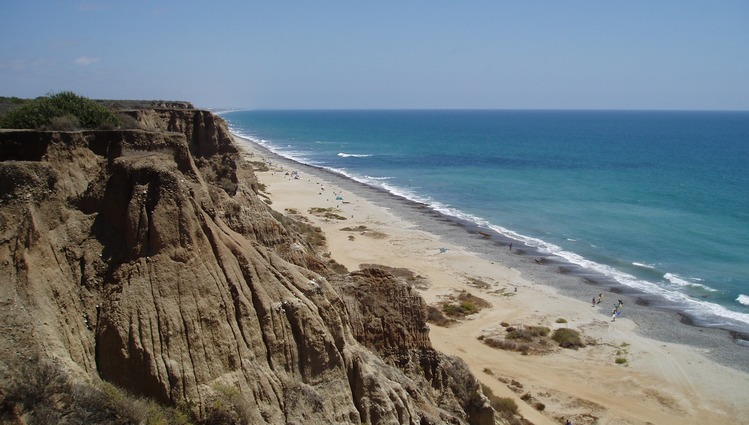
column 478, row 283
column 437, row 317
column 359, row 228
column 532, row 339
column 505, row 407
column 329, row 213
column 527, row 333
column 42, row 393
column 259, row 166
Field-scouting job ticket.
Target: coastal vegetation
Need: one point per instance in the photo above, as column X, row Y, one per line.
column 568, row 338
column 311, row 234
column 527, row 333
column 504, row 406
column 330, row 213
column 60, row 111
column 28, row 395
column 528, row 339
column 464, row 304
column 621, row 354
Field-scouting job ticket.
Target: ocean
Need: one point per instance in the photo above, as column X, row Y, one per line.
column 654, row 201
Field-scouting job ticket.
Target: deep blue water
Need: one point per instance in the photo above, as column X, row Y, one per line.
column 658, row 201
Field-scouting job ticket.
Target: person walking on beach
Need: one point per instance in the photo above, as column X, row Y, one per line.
column 594, row 301
column 614, row 313
column 510, row 246
column 600, row 298
column 569, row 422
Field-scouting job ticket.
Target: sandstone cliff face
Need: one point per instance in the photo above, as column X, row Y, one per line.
column 145, row 258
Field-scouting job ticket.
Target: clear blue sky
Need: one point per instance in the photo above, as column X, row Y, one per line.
column 597, row 54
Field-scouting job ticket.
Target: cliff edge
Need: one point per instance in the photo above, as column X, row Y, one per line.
column 146, row 259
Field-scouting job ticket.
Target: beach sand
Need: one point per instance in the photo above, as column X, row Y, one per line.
column 656, row 381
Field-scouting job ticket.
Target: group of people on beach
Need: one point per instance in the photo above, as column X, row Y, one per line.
column 616, row 312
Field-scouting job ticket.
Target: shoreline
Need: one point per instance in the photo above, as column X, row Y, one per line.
column 561, row 290
column 655, row 319
column 699, row 309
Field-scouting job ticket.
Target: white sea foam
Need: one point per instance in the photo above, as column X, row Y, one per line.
column 678, row 280
column 645, row 266
column 353, row 155
column 714, row 314
column 743, row 299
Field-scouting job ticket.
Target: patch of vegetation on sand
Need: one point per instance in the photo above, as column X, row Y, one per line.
column 259, row 166
column 532, row 339
column 477, row 283
column 503, row 292
column 456, row 307
column 330, row 213
column 359, row 228
column 364, row 230
column 437, row 317
column 527, row 333
column 568, row 338
column 622, row 350
column 463, row 304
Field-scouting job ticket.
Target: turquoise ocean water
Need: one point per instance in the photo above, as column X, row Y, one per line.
column 655, row 201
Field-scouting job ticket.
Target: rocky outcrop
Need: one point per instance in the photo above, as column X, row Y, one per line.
column 389, row 317
column 146, row 259
column 206, row 134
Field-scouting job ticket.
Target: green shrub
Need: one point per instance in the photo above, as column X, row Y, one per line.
column 561, row 320
column 469, row 307
column 568, row 338
column 61, row 109
column 621, row 360
column 452, row 310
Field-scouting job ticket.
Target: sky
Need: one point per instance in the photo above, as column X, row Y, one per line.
column 514, row 54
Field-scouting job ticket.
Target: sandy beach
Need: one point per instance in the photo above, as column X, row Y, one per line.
column 638, row 369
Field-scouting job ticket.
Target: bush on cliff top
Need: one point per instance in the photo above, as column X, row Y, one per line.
column 61, row 111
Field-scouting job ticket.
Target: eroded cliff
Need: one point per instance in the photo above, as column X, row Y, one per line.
column 146, row 258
